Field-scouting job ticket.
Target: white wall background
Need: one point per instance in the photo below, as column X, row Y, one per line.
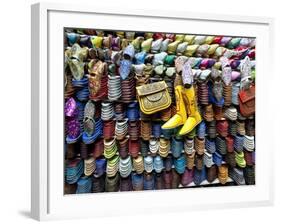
column 15, row 109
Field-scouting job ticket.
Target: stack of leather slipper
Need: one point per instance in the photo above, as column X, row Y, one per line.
column 177, row 147
column 201, row 130
column 83, row 150
column 97, row 148
column 69, row 188
column 238, row 143
column 123, row 147
column 168, row 178
column 223, row 173
column 100, row 167
column 128, row 88
column 210, row 145
column 125, row 167
column 167, row 133
column 133, row 112
column 84, row 185
column 180, row 164
column 148, row 181
column 137, row 182
column 222, row 128
column 148, row 164
column 107, row 111
column 212, row 173
column 108, row 129
column 98, row 132
column 126, row 184
column 227, row 94
column 203, row 95
column 159, row 181
column 241, row 127
column 208, row 159
column 153, row 145
column 121, row 129
column 164, row 147
column 112, row 166
column 231, row 113
column 249, row 174
column 170, row 83
column 89, row 166
column 98, row 184
column 212, row 131
column 112, row 183
column 232, row 128
column 119, row 110
column 69, row 89
column 221, row 145
column 189, row 145
column 250, row 127
column 218, row 111
column 187, row 177
column 110, row 148
column 230, row 159
column 138, row 164
column 70, row 151
column 166, row 114
column 168, row 163
column 83, row 91
column 144, row 147
column 82, row 83
column 134, row 147
column 74, row 170
column 217, row 158
column 239, row 158
column 134, row 130
column 83, row 94
column 199, row 161
column 248, row 156
column 156, row 129
column 199, row 145
column 209, row 113
column 81, row 108
column 158, row 164
column 146, row 130
column 199, row 176
column 176, row 179
column 249, row 143
column 190, row 160
column 237, row 175
column 114, row 87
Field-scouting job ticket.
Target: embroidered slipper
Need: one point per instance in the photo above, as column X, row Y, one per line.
column 125, row 68
column 156, row 45
column 70, row 108
column 89, row 122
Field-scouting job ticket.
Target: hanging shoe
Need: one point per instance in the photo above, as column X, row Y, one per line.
column 194, row 117
column 180, row 117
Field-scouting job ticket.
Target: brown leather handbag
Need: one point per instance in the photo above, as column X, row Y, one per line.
column 247, row 101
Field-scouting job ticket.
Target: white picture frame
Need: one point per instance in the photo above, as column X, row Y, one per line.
column 48, row 201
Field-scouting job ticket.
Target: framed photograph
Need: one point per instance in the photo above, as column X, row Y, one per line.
column 156, row 109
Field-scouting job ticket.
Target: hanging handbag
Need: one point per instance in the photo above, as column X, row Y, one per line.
column 247, row 101
column 153, row 97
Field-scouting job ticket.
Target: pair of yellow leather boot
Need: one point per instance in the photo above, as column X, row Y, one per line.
column 187, row 111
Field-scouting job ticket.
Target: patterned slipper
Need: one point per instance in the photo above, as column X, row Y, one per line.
column 89, row 122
